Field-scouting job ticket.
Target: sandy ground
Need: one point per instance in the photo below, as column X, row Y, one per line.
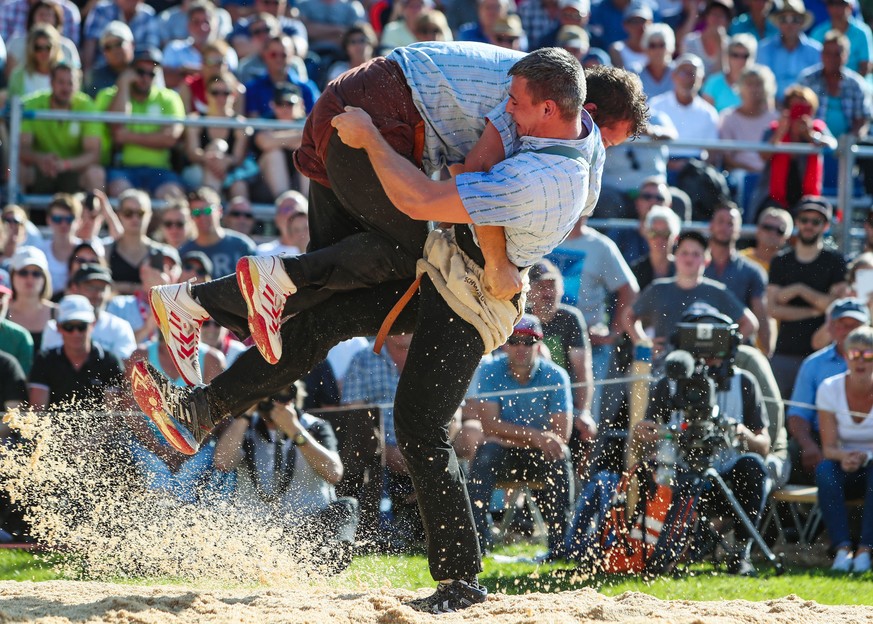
column 68, row 601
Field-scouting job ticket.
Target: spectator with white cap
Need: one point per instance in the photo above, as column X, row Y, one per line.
column 185, row 56
column 113, row 334
column 31, row 305
column 138, row 15
column 117, row 44
column 629, row 52
column 78, row 373
column 570, row 13
column 695, row 119
column 14, row 339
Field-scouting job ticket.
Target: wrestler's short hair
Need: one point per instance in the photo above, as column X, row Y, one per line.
column 553, row 74
column 619, row 96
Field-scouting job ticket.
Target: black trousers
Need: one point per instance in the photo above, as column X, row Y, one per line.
column 344, row 293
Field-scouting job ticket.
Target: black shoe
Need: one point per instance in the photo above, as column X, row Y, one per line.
column 741, row 566
column 450, row 597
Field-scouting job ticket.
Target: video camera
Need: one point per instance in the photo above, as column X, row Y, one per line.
column 702, row 430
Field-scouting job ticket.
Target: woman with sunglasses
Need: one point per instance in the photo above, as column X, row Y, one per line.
column 43, row 52
column 193, row 89
column 722, row 89
column 219, row 156
column 41, row 12
column 31, row 305
column 845, row 420
column 659, row 44
column 63, row 216
column 359, row 44
column 133, row 248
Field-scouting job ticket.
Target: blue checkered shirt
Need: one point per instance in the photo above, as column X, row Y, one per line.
column 536, row 20
column 13, row 19
column 373, row 378
column 144, row 25
column 854, row 94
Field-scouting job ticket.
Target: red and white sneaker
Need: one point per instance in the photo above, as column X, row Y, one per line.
column 265, row 286
column 181, row 414
column 179, row 318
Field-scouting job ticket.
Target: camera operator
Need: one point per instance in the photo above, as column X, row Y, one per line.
column 287, row 465
column 739, row 459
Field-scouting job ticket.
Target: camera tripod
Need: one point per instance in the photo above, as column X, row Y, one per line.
column 691, row 485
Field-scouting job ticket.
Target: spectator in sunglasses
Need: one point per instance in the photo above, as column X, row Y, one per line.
column 527, row 432
column 14, row 339
column 634, row 244
column 792, row 51
column 78, row 374
column 249, row 35
column 144, row 150
column 292, row 223
column 843, row 317
column 223, row 247
column 274, row 148
column 239, row 216
column 64, row 212
column 44, row 51
column 133, row 248
column 116, row 41
column 19, row 231
column 113, row 334
column 846, row 427
column 359, row 44
column 175, row 227
column 196, row 267
column 775, row 226
column 185, row 56
column 279, row 60
column 219, row 157
column 31, row 305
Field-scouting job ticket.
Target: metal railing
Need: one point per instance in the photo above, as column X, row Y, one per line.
column 847, row 152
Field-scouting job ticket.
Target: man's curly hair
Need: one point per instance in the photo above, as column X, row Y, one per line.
column 619, row 97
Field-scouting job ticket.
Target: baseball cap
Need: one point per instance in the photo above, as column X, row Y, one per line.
column 529, row 325
column 116, row 29
column 90, row 271
column 200, row 257
column 638, row 9
column 287, row 92
column 850, row 307
column 169, row 252
column 692, row 235
column 509, row 25
column 816, row 204
column 29, row 255
column 75, row 308
column 543, row 271
column 689, row 59
column 583, row 6
column 148, row 54
column 5, row 282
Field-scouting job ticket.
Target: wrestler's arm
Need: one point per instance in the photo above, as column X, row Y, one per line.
column 409, row 189
column 502, row 278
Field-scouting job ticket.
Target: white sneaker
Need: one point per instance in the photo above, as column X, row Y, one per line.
column 861, row 562
column 179, row 318
column 265, row 286
column 842, row 562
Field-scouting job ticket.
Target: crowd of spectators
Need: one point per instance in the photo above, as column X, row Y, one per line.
column 77, row 269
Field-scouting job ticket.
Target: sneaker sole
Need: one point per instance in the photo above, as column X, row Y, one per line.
column 151, row 402
column 162, row 318
column 248, row 277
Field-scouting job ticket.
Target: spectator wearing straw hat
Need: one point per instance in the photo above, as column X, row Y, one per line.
column 78, row 373
column 790, row 52
column 527, row 419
